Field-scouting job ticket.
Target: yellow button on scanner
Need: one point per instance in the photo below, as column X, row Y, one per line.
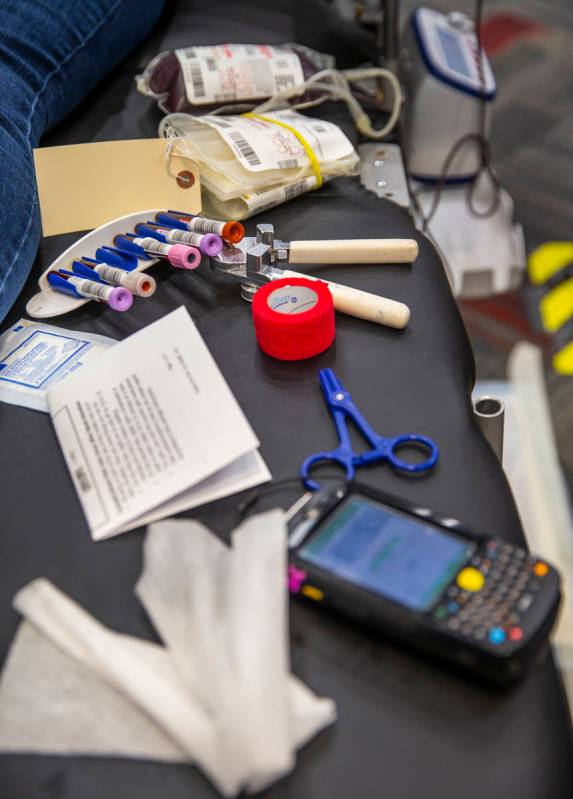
column 312, row 593
column 470, row 579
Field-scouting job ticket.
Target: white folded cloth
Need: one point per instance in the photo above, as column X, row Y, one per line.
column 218, row 693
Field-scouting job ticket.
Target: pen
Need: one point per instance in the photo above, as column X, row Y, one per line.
column 179, row 255
column 208, row 243
column 117, row 297
column 232, row 232
column 141, row 285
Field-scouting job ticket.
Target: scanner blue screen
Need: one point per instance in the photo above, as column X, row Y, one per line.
column 387, row 552
column 453, row 52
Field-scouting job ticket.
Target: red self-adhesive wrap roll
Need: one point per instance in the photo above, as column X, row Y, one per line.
column 294, row 318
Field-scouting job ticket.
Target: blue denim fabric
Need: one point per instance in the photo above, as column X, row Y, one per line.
column 52, row 52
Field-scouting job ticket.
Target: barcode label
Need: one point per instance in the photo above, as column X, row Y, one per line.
column 183, row 236
column 234, row 72
column 283, row 82
column 197, row 81
column 288, row 163
column 89, row 288
column 153, row 246
column 297, row 188
column 110, row 274
column 258, row 144
column 245, row 148
column 202, row 225
column 267, row 198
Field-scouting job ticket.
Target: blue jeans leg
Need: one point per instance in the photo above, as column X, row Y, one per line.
column 52, row 52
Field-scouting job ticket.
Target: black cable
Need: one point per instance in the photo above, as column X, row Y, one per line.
column 258, row 494
column 262, row 491
column 485, row 148
column 479, row 138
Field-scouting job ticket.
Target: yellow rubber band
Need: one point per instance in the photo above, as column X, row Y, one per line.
column 314, row 162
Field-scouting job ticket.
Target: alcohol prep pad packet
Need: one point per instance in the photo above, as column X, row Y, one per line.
column 34, row 356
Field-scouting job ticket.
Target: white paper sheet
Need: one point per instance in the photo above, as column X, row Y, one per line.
column 150, row 420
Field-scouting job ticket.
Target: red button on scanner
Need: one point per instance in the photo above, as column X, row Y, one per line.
column 516, row 634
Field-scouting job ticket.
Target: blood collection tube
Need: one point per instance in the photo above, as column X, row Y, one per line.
column 231, row 231
column 117, row 297
column 138, row 283
column 179, row 255
column 208, row 243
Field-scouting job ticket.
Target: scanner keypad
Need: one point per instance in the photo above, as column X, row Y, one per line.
column 494, row 612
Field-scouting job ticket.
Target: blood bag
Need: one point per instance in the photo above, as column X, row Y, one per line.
column 198, row 79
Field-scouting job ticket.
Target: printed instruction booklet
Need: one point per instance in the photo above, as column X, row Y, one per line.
column 152, row 429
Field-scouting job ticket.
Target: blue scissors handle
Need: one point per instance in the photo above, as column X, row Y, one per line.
column 334, row 456
column 387, row 449
column 383, row 448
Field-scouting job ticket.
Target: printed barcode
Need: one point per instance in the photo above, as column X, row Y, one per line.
column 177, row 235
column 288, row 163
column 283, row 81
column 282, row 63
column 211, row 64
column 184, row 236
column 92, row 289
column 197, row 81
column 154, row 246
column 202, row 225
column 245, row 148
column 295, row 189
column 108, row 273
column 82, row 478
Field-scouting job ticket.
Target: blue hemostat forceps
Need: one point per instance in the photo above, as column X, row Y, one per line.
column 382, row 449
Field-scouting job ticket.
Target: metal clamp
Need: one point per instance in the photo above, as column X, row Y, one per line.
column 251, row 262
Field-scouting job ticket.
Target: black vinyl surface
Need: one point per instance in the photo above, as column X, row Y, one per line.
column 407, row 727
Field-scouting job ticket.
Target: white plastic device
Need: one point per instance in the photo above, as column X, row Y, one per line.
column 482, row 256
column 441, row 75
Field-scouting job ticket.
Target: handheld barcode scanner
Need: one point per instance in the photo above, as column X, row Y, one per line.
column 476, row 601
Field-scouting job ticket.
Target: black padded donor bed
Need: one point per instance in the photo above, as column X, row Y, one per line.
column 407, row 727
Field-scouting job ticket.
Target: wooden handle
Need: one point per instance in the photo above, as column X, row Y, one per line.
column 363, row 305
column 354, row 251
